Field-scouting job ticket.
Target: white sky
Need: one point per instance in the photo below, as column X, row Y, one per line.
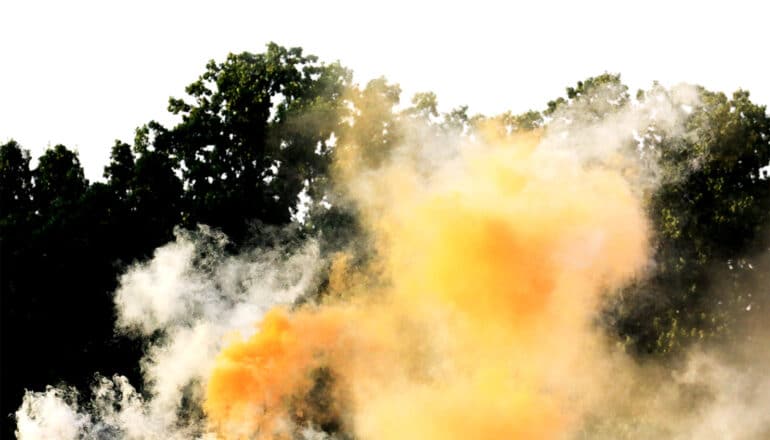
column 84, row 73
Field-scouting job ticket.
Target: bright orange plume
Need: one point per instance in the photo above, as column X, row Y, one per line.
column 490, row 267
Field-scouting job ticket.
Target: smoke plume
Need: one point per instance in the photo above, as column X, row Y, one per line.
column 473, row 315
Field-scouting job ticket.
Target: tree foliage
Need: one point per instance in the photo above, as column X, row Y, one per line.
column 254, row 136
column 253, row 150
column 711, row 216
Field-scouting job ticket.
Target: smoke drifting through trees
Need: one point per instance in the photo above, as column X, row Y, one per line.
column 456, row 276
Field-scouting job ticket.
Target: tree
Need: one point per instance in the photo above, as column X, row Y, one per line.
column 121, row 170
column 712, row 218
column 16, row 216
column 590, row 100
column 256, row 136
column 59, row 180
column 375, row 127
column 15, row 180
column 424, row 107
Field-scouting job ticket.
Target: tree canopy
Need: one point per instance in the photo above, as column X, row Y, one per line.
column 253, row 147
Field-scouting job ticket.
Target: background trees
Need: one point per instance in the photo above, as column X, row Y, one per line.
column 711, row 216
column 253, row 149
column 254, row 136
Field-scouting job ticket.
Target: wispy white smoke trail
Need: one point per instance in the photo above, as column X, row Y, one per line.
column 190, row 296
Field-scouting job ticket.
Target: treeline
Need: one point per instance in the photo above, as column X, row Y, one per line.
column 253, row 152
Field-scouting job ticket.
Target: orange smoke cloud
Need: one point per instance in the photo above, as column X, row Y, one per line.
column 254, row 378
column 491, row 265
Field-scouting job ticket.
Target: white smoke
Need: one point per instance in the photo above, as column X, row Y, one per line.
column 597, row 129
column 52, row 414
column 189, row 297
column 736, row 401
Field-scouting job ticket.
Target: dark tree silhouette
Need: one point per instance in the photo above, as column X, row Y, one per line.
column 257, row 131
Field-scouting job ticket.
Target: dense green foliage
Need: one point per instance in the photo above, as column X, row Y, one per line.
column 712, row 219
column 255, row 136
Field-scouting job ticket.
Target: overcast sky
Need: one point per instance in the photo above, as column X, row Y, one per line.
column 85, row 73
